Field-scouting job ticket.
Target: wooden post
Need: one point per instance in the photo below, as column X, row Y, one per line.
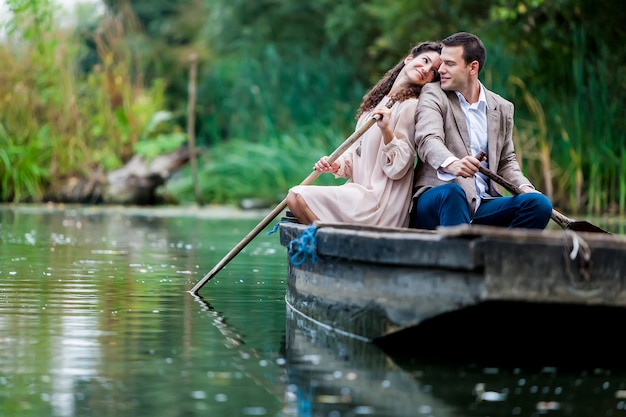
column 191, row 121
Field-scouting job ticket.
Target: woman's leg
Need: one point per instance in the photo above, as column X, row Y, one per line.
column 300, row 209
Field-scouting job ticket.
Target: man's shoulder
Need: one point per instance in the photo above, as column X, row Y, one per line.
column 433, row 87
column 434, row 92
column 497, row 98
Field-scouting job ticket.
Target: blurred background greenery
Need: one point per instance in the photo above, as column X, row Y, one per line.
column 279, row 82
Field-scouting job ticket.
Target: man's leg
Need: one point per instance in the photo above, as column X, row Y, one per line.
column 528, row 211
column 444, row 205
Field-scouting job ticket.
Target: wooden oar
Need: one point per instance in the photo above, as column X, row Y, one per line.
column 560, row 219
column 281, row 206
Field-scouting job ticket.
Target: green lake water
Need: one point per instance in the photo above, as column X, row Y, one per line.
column 96, row 320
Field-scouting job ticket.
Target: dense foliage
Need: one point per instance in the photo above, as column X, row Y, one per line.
column 57, row 123
column 280, row 80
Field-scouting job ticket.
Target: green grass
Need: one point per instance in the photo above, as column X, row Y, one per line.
column 238, row 169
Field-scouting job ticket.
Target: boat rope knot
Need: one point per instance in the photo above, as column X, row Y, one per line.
column 580, row 250
column 289, row 218
column 303, row 246
column 275, row 228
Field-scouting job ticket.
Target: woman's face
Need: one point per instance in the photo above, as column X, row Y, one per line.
column 423, row 68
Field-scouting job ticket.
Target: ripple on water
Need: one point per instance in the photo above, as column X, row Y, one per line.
column 95, row 315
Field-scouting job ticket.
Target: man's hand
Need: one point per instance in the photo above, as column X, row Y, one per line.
column 466, row 167
column 528, row 189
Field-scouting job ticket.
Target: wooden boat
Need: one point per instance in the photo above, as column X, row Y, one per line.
column 373, row 283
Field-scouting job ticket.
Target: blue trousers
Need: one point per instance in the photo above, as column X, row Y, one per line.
column 446, row 205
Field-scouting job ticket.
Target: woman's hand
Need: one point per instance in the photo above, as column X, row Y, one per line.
column 383, row 122
column 324, row 166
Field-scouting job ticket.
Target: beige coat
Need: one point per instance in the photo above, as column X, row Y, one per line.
column 441, row 132
column 379, row 186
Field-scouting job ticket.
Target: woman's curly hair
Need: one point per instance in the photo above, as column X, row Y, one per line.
column 376, row 94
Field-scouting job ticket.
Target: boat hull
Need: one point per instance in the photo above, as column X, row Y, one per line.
column 373, row 282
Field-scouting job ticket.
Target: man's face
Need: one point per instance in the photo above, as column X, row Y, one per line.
column 454, row 72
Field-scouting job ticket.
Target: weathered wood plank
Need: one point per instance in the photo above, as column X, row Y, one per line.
column 375, row 299
column 373, row 282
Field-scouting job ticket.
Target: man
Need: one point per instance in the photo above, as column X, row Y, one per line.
column 456, row 119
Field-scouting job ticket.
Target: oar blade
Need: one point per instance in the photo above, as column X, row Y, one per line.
column 583, row 226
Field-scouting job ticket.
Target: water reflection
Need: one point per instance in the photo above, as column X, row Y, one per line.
column 95, row 318
column 333, row 375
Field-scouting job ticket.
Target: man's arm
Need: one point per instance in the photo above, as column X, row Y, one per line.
column 429, row 126
column 508, row 166
column 430, row 132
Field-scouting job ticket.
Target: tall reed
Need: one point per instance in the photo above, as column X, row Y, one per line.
column 567, row 136
column 591, row 145
column 57, row 122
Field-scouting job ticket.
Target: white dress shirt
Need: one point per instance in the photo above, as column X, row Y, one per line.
column 476, row 119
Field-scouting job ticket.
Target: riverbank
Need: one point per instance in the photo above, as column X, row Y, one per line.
column 208, row 211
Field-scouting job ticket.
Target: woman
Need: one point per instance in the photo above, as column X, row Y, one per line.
column 379, row 166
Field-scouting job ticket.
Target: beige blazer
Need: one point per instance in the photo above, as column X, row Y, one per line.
column 441, row 132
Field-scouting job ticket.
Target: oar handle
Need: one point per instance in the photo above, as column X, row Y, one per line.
column 346, row 144
column 559, row 218
column 281, row 206
column 512, row 188
column 342, row 148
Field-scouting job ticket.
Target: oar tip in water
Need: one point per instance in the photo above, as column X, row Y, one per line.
column 562, row 220
column 583, row 226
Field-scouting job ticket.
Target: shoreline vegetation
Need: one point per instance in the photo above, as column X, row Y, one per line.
column 77, row 103
column 614, row 224
column 208, row 211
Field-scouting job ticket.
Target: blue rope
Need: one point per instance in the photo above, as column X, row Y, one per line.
column 276, row 227
column 303, row 246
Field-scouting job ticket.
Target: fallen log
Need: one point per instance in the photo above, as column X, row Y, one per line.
column 136, row 183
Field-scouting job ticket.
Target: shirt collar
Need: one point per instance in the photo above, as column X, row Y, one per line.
column 482, row 98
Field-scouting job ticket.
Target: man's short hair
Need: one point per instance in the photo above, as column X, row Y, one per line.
column 473, row 47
